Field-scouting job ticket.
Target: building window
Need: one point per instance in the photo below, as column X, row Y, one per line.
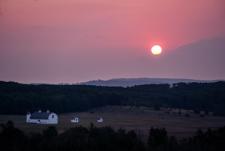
column 52, row 116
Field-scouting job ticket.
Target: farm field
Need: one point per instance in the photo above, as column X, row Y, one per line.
column 139, row 119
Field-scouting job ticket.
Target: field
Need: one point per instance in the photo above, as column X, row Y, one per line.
column 139, row 119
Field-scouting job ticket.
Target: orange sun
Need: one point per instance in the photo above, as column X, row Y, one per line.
column 156, row 50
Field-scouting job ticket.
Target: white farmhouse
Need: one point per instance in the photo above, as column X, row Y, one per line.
column 42, row 118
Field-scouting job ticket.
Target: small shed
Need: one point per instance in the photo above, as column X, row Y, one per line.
column 100, row 120
column 75, row 120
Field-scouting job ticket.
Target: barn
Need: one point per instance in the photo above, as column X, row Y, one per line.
column 42, row 117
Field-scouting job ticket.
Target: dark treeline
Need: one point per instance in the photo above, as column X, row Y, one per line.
column 106, row 139
column 18, row 98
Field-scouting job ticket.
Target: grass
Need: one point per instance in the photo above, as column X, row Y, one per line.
column 138, row 119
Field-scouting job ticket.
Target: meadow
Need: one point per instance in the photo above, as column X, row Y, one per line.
column 140, row 119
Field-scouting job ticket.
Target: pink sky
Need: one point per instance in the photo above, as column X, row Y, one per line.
column 77, row 40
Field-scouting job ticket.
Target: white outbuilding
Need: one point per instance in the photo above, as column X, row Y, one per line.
column 100, row 120
column 42, row 118
column 75, row 120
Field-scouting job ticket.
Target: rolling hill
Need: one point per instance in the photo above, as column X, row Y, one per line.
column 128, row 82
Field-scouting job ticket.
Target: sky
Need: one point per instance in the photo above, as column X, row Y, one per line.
column 69, row 41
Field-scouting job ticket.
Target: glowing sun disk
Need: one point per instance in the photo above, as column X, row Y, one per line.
column 156, row 50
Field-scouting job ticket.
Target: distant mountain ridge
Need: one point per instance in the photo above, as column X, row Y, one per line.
column 128, row 82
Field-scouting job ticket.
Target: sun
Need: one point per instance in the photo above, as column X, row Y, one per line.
column 156, row 50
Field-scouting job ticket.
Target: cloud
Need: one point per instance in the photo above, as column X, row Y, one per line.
column 204, row 58
column 1, row 10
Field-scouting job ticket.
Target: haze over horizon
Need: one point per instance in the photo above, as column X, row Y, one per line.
column 70, row 41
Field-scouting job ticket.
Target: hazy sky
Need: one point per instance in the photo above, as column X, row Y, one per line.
column 70, row 41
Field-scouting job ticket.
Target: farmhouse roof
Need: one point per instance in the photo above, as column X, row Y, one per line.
column 40, row 115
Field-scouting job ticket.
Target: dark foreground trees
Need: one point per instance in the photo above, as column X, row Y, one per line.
column 106, row 139
column 74, row 139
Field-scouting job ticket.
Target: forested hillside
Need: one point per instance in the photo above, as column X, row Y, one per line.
column 18, row 98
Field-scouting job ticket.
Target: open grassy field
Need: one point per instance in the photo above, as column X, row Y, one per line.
column 139, row 119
